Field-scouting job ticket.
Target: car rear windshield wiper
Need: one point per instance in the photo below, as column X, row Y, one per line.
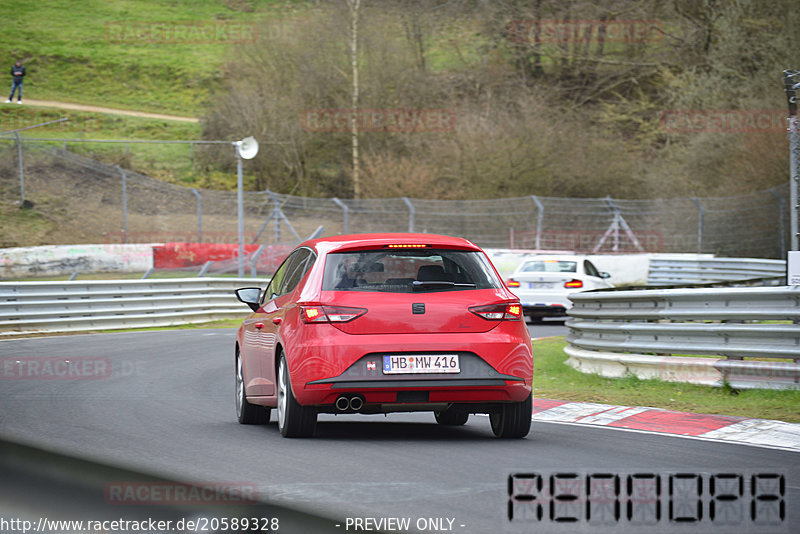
column 419, row 285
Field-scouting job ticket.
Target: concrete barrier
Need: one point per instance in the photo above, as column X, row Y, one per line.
column 59, row 260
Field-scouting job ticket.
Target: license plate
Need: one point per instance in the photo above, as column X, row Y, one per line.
column 540, row 285
column 420, row 363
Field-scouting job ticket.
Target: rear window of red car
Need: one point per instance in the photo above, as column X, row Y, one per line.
column 407, row 270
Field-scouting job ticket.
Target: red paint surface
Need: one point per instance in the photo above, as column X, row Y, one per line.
column 540, row 405
column 178, row 255
column 687, row 424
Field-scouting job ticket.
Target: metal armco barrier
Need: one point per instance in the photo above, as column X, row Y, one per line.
column 31, row 307
column 615, row 333
column 672, row 272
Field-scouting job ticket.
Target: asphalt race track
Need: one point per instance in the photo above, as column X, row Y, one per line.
column 162, row 402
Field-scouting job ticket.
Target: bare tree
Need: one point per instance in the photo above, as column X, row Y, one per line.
column 353, row 6
column 534, row 115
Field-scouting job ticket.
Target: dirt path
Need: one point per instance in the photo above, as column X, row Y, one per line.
column 99, row 109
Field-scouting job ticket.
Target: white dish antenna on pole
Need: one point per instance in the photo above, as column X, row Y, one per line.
column 247, row 148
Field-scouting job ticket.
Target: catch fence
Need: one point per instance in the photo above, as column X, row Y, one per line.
column 92, row 202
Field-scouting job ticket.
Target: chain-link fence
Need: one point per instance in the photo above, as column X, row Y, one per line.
column 92, row 202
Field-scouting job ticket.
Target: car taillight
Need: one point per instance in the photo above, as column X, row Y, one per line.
column 574, row 284
column 329, row 314
column 498, row 312
column 512, row 283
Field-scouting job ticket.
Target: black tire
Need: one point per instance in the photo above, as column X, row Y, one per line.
column 294, row 421
column 246, row 413
column 512, row 420
column 452, row 417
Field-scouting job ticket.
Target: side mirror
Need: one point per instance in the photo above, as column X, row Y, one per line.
column 605, row 275
column 249, row 295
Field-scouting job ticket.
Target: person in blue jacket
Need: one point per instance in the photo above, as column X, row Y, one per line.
column 18, row 73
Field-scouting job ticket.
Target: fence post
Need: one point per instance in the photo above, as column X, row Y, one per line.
column 794, row 163
column 124, row 205
column 21, row 173
column 316, row 233
column 254, row 261
column 411, row 213
column 346, row 211
column 617, row 216
column 205, row 268
column 277, row 215
column 782, row 222
column 791, row 85
column 199, row 215
column 700, row 223
column 539, row 221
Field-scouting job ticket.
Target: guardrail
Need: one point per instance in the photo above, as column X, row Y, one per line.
column 670, row 272
column 615, row 333
column 71, row 306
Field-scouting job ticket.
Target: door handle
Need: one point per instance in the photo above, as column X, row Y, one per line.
column 259, row 325
column 277, row 320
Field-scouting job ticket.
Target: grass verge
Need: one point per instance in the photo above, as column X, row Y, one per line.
column 553, row 379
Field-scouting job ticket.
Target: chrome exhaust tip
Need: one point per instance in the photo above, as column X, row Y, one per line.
column 342, row 403
column 356, row 403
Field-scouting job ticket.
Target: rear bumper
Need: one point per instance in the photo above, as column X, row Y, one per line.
column 386, row 399
column 496, row 366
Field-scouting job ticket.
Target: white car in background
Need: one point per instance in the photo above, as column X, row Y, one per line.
column 544, row 282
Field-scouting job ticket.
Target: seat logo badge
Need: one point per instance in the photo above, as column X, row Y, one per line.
column 418, row 308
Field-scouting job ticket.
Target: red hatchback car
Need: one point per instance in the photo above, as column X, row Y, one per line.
column 380, row 323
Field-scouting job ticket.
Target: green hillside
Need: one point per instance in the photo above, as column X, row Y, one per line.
column 122, row 54
column 582, row 116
